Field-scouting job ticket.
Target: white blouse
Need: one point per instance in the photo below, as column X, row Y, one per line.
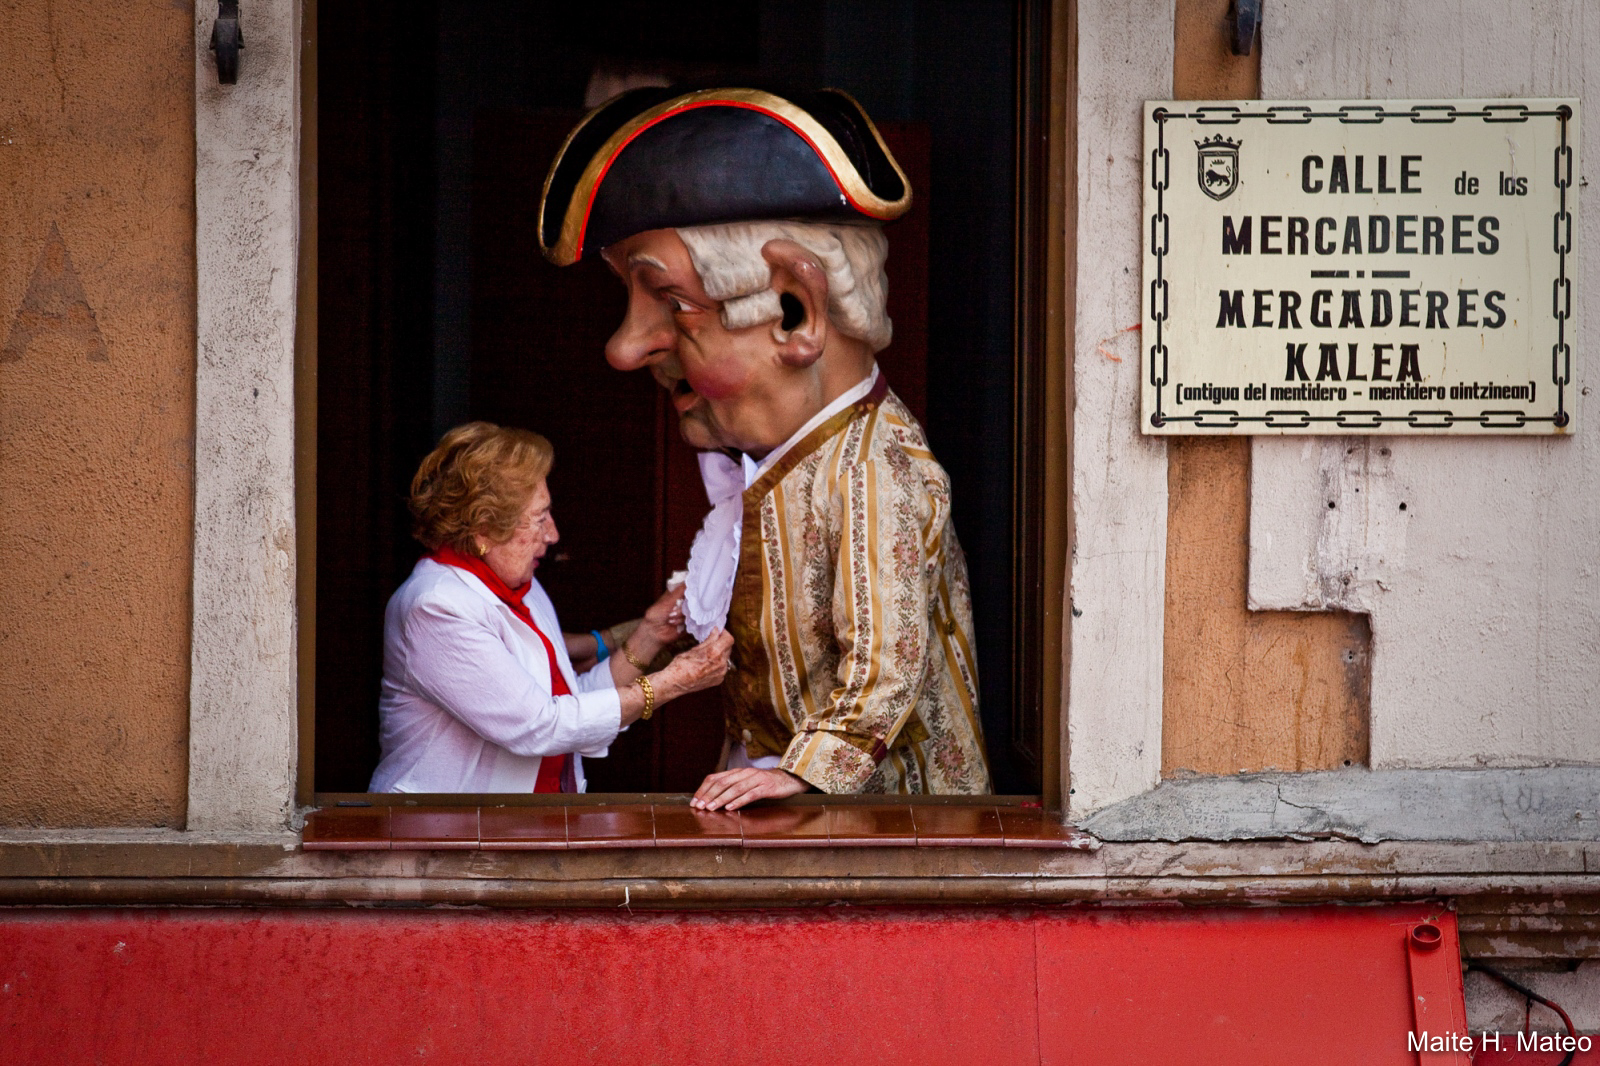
column 466, row 704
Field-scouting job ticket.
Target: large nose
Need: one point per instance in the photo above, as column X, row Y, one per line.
column 645, row 337
column 551, row 534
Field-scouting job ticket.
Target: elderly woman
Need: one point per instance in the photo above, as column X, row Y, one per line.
column 479, row 694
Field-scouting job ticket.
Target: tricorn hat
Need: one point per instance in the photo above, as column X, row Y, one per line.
column 656, row 159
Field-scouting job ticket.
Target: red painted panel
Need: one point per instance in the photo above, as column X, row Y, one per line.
column 486, row 988
column 1102, row 986
column 1281, row 985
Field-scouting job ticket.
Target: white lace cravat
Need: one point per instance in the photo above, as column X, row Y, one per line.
column 715, row 554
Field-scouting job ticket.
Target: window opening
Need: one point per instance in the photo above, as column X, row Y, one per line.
column 436, row 308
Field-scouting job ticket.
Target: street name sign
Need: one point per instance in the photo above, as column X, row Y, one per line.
column 1361, row 266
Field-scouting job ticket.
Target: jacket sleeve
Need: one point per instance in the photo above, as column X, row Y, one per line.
column 597, row 679
column 461, row 664
column 887, row 534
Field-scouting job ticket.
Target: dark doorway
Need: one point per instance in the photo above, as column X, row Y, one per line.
column 435, row 308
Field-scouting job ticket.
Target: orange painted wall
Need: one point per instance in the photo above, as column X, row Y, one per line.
column 97, row 342
column 1242, row 690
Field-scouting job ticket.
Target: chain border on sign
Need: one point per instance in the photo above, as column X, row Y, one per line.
column 1369, row 115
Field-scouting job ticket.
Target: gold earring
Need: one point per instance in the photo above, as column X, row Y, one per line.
column 483, row 549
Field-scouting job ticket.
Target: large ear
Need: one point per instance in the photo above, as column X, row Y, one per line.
column 802, row 288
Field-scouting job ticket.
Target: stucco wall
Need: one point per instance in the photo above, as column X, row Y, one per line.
column 96, row 411
column 242, row 692
column 1484, row 592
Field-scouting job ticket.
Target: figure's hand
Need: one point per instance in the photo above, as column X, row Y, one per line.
column 661, row 625
column 702, row 666
column 732, row 789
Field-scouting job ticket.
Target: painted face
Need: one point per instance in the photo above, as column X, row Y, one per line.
column 515, row 559
column 713, row 374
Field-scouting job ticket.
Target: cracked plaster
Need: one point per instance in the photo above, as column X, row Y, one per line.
column 1552, row 803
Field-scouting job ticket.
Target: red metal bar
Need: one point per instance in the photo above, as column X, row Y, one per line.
column 1438, row 1002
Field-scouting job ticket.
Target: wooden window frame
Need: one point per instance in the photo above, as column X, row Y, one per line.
column 1045, row 196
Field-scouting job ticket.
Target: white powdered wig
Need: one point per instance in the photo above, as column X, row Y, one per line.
column 729, row 261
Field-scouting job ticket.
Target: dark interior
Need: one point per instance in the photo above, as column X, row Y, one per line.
column 435, row 307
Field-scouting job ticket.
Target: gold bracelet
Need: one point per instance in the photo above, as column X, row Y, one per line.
column 649, row 697
column 627, row 653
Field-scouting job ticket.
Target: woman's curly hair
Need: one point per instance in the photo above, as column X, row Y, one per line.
column 477, row 481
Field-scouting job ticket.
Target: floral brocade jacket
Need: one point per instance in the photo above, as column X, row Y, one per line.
column 852, row 615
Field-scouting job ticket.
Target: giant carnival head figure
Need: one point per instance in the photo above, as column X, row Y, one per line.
column 747, row 228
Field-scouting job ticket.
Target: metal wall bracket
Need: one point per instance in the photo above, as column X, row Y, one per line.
column 1246, row 18
column 226, row 41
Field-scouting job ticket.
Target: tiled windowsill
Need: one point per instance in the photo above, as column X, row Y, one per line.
column 644, row 825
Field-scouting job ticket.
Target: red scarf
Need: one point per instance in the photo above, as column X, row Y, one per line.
column 551, row 767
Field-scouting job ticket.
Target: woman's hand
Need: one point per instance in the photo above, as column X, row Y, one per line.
column 701, row 667
column 661, row 625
